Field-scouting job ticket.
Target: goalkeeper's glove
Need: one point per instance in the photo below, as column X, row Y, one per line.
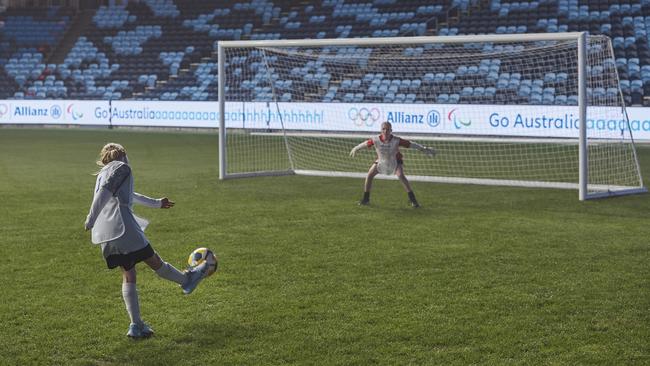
column 427, row 150
column 357, row 148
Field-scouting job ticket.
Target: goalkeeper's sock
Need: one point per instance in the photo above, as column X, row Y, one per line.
column 414, row 202
column 366, row 198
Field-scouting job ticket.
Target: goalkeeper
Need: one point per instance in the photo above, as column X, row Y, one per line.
column 389, row 160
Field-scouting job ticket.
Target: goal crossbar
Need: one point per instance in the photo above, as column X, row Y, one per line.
column 375, row 41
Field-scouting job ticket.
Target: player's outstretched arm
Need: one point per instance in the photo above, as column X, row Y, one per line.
column 152, row 202
column 354, row 150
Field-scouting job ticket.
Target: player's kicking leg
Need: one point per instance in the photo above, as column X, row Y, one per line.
column 188, row 280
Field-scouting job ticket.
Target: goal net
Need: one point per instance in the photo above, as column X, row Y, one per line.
column 536, row 110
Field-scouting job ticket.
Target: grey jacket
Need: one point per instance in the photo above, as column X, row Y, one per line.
column 111, row 213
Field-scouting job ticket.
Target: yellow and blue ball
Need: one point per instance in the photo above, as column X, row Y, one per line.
column 201, row 255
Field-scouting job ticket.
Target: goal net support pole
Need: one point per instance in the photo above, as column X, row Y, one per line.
column 583, row 175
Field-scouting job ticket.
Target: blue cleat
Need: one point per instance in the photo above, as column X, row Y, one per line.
column 146, row 329
column 139, row 330
column 194, row 276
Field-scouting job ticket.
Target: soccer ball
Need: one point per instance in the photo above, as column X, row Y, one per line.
column 200, row 255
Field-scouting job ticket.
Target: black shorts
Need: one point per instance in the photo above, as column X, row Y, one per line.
column 129, row 260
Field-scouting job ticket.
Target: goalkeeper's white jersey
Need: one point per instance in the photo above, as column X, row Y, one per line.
column 388, row 153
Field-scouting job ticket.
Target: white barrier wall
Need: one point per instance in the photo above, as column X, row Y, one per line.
column 533, row 121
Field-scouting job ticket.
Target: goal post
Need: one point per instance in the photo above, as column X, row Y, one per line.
column 532, row 110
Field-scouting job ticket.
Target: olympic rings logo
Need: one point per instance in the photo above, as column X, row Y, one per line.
column 364, row 116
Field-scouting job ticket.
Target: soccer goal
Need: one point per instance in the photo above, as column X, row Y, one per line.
column 531, row 110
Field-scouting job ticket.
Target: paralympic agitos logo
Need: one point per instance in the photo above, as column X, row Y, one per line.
column 74, row 113
column 454, row 116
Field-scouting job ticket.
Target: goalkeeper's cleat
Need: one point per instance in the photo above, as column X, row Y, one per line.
column 415, row 204
column 139, row 330
column 364, row 203
column 194, row 276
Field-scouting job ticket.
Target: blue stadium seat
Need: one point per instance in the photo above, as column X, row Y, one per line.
column 467, row 91
column 536, row 99
column 389, row 97
column 572, row 100
column 524, row 91
column 549, row 90
column 599, row 92
column 612, row 93
column 502, row 83
column 410, row 98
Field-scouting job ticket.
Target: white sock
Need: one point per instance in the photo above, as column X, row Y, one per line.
column 169, row 272
column 130, row 295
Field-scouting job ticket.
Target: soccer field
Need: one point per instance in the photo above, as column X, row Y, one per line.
column 478, row 275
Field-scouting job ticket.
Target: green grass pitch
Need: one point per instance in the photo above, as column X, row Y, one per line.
column 479, row 275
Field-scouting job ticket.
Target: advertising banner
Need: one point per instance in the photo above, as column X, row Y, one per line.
column 161, row 113
column 460, row 119
column 444, row 119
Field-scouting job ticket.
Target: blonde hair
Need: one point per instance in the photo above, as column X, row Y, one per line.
column 111, row 152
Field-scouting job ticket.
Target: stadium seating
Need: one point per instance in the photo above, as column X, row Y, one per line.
column 164, row 49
